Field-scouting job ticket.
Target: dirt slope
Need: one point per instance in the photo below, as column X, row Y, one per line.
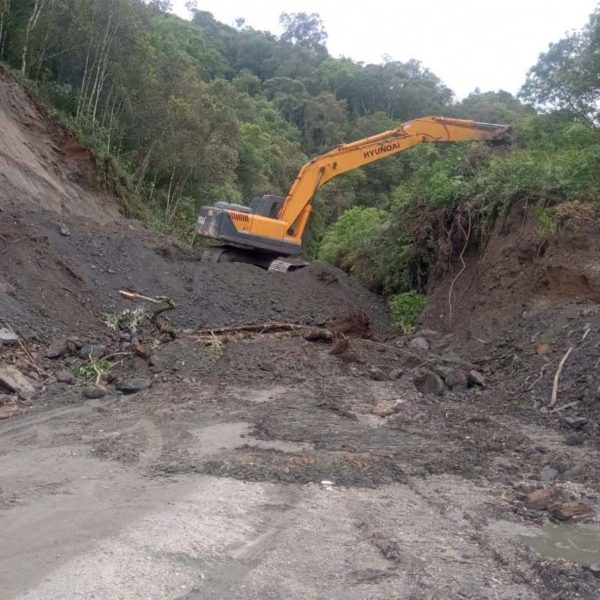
column 65, row 250
column 524, row 300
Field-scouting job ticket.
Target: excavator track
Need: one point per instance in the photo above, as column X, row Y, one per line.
column 285, row 265
column 265, row 261
column 212, row 255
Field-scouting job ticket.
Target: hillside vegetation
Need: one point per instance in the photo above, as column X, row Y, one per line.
column 181, row 113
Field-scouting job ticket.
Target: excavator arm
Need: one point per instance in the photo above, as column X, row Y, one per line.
column 276, row 225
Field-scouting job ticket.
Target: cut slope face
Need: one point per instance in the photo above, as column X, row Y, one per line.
column 41, row 165
column 523, row 266
column 65, row 251
column 526, row 302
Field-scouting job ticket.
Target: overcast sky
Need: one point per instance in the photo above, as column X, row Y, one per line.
column 488, row 44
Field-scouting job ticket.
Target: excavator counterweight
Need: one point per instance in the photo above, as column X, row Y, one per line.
column 273, row 226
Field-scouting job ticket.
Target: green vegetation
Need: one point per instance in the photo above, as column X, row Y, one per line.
column 92, row 370
column 181, row 113
column 406, row 308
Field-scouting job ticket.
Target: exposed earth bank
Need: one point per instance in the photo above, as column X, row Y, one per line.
column 317, row 455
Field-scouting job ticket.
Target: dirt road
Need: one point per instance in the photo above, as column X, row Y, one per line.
column 205, row 488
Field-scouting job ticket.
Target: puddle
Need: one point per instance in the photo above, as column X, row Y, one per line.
column 577, row 543
column 230, row 436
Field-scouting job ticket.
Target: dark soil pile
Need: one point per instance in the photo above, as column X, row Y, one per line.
column 65, row 250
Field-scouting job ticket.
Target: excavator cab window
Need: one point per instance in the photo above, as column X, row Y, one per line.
column 267, row 206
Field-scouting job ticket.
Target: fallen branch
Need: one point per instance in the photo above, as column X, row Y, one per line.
column 563, row 407
column 263, row 366
column 542, row 371
column 561, row 364
column 30, row 359
column 128, row 295
column 168, row 304
column 268, row 327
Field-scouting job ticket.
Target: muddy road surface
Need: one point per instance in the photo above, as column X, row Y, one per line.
column 311, row 477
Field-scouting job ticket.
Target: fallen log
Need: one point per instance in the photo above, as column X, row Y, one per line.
column 268, row 327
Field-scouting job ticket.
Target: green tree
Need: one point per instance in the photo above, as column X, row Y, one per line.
column 567, row 75
column 304, row 30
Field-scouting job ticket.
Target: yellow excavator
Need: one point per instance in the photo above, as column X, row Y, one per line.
column 270, row 230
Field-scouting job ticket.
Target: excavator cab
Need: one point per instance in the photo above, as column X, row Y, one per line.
column 234, row 224
column 267, row 206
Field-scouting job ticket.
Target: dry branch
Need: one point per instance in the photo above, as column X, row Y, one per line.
column 30, row 358
column 167, row 303
column 268, row 327
column 561, row 364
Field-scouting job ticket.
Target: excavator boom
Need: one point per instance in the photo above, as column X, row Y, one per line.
column 275, row 226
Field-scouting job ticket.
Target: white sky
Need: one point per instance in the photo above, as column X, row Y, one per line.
column 490, row 44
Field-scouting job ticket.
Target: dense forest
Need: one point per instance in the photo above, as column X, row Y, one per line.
column 181, row 113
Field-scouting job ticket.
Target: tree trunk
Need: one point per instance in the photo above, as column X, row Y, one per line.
column 33, row 19
column 5, row 10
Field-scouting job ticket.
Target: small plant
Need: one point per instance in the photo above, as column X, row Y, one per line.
column 213, row 348
column 406, row 308
column 129, row 319
column 546, row 219
column 92, row 370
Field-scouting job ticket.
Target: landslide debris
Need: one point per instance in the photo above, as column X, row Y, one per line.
column 65, row 249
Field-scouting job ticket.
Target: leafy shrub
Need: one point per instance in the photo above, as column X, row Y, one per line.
column 406, row 308
column 351, row 243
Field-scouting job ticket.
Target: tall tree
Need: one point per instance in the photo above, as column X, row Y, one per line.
column 304, row 30
column 567, row 76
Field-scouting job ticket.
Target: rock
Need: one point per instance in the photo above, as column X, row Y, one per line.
column 92, row 351
column 15, row 381
column 377, row 374
column 427, row 333
column 64, row 230
column 93, row 392
column 142, row 351
column 539, row 499
column 572, row 473
column 57, row 348
column 419, row 343
column 131, row 386
column 9, row 410
column 595, row 568
column 396, row 373
column 452, row 357
column 318, row 335
column 566, row 511
column 475, row 378
column 385, row 408
column 65, row 376
column 548, row 474
column 543, row 349
column 576, row 422
column 576, row 439
column 429, row 382
column 7, row 337
column 453, row 377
